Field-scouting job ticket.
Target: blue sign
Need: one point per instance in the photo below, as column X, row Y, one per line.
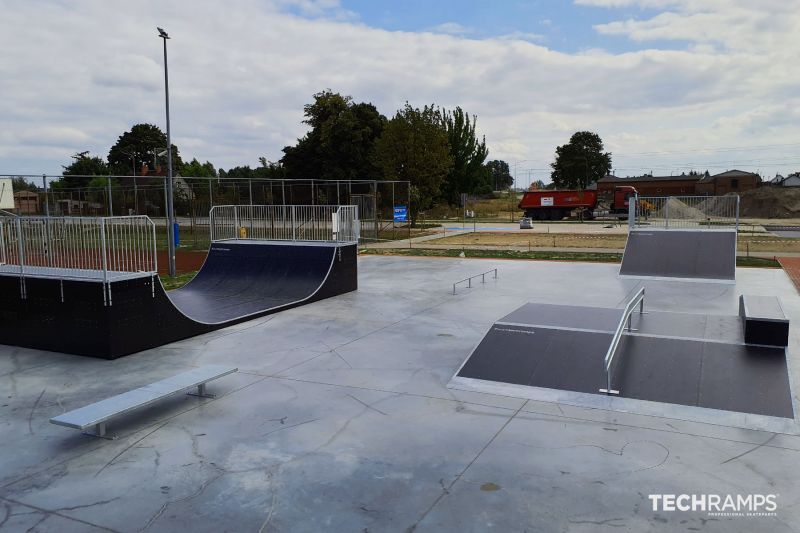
column 400, row 213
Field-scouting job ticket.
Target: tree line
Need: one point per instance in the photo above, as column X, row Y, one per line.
column 437, row 150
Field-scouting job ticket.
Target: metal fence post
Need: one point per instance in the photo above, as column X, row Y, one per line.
column 666, row 212
column 737, row 213
column 103, row 249
column 110, row 199
column 155, row 248
column 293, row 224
column 632, row 205
column 236, row 222
column 20, row 248
column 46, row 201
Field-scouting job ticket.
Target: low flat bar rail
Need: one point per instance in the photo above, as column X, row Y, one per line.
column 624, row 324
column 97, row 414
column 468, row 280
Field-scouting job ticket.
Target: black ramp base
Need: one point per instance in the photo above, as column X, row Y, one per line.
column 764, row 321
column 689, row 254
column 240, row 281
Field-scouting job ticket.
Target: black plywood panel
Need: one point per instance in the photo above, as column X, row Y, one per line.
column 698, row 254
column 566, row 316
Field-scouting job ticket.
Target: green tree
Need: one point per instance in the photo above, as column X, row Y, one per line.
column 499, row 175
column 77, row 173
column 580, row 162
column 195, row 169
column 21, row 184
column 135, row 148
column 272, row 170
column 340, row 143
column 468, row 174
column 414, row 147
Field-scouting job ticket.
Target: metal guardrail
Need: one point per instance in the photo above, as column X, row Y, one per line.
column 469, row 279
column 624, row 324
column 329, row 223
column 78, row 247
column 681, row 212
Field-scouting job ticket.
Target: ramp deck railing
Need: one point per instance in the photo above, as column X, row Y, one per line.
column 624, row 324
column 78, row 247
column 685, row 212
column 322, row 223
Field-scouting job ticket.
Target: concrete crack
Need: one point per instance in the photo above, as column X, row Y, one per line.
column 754, row 448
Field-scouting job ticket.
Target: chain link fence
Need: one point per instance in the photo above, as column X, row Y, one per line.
column 195, row 196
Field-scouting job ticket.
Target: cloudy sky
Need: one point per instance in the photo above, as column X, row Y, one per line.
column 670, row 85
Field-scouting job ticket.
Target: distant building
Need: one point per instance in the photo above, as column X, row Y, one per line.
column 792, row 180
column 727, row 182
column 26, row 203
column 681, row 185
column 688, row 184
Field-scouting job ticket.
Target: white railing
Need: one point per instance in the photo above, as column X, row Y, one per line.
column 624, row 324
column 329, row 223
column 78, row 247
column 693, row 212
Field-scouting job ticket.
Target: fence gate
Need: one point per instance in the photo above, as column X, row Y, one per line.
column 684, row 212
column 367, row 211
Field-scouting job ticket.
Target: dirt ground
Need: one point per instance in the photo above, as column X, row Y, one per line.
column 185, row 261
column 770, row 203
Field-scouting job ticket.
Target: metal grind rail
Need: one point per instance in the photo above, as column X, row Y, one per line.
column 624, row 325
column 469, row 279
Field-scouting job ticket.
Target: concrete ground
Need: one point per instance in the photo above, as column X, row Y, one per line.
column 340, row 419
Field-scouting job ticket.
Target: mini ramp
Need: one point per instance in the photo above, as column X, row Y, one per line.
column 239, row 281
column 695, row 255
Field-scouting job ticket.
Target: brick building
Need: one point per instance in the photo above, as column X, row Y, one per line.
column 26, row 203
column 685, row 184
column 730, row 181
column 682, row 185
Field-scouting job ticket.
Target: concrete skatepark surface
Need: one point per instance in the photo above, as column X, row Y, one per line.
column 340, row 419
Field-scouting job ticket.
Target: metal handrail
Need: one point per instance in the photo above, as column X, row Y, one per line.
column 469, row 279
column 325, row 223
column 638, row 299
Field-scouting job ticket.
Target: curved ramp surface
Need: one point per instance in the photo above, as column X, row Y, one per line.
column 684, row 254
column 239, row 281
column 247, row 277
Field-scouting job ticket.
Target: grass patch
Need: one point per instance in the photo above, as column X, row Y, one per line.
column 499, row 254
column 178, row 281
column 594, row 257
column 757, row 262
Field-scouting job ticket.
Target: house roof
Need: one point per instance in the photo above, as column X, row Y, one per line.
column 729, row 174
column 681, row 177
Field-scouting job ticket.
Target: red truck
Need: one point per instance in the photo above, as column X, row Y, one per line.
column 555, row 205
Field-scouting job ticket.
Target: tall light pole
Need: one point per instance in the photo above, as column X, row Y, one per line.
column 170, row 210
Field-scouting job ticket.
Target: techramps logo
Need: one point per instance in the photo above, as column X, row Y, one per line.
column 718, row 505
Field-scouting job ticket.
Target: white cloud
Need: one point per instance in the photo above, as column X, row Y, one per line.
column 523, row 36
column 451, row 28
column 74, row 76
